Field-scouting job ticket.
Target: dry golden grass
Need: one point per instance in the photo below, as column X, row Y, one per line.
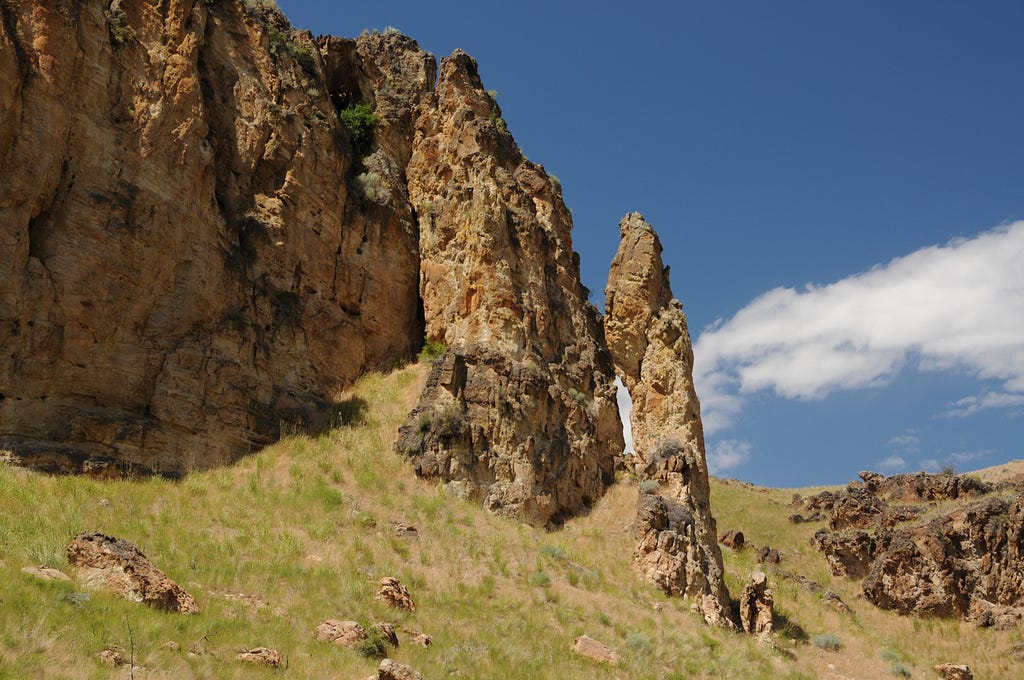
column 300, row 532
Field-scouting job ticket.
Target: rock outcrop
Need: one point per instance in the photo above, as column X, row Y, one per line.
column 117, row 566
column 962, row 562
column 520, row 412
column 757, row 606
column 650, row 345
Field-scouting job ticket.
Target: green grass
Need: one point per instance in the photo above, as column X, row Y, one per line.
column 301, row 531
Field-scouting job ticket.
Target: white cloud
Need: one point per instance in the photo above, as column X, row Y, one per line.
column 892, row 464
column 959, row 306
column 907, row 442
column 625, row 403
column 968, row 406
column 727, row 455
column 953, row 461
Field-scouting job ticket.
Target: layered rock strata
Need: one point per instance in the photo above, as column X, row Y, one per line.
column 650, row 345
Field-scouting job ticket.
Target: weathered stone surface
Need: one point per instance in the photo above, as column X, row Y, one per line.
column 768, row 555
column 964, row 563
column 520, row 413
column 953, row 671
column 388, row 631
column 392, row 670
column 922, row 486
column 45, row 573
column 848, row 553
column 345, row 633
column 118, row 566
column 650, row 344
column 757, row 606
column 665, row 546
column 856, row 508
column 261, row 656
column 183, row 252
column 393, row 593
column 112, row 657
column 732, row 539
column 590, row 648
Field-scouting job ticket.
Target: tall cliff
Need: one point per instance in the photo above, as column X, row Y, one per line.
column 188, row 265
column 202, row 249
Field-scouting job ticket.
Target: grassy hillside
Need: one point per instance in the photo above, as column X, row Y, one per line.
column 300, row 533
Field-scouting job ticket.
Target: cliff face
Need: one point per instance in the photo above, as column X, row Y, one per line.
column 188, row 267
column 520, row 412
column 650, row 344
column 202, row 251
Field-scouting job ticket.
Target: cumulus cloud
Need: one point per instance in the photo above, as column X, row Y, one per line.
column 958, row 306
column 968, row 406
column 727, row 455
column 907, row 442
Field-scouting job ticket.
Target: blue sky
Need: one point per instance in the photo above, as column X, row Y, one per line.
column 835, row 186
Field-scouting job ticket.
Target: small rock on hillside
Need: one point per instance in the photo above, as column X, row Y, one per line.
column 118, row 566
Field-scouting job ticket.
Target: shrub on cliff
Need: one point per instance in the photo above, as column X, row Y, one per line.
column 360, row 121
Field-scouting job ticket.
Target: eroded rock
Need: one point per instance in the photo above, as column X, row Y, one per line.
column 260, row 656
column 392, row 670
column 345, row 633
column 118, row 566
column 650, row 344
column 393, row 593
column 590, row 648
column 757, row 606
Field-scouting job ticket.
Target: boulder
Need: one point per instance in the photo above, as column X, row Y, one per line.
column 953, row 671
column 393, row 593
column 389, row 633
column 345, row 633
column 590, row 648
column 732, row 539
column 118, row 566
column 44, row 573
column 848, row 553
column 261, row 656
column 392, row 670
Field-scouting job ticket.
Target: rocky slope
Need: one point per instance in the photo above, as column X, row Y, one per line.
column 960, row 559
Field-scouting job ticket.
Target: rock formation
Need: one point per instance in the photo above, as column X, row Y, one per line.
column 520, row 412
column 757, row 606
column 650, row 345
column 118, row 566
column 200, row 250
column 962, row 562
column 187, row 243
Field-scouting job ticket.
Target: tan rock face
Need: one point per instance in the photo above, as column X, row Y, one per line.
column 647, row 335
column 186, row 266
column 520, row 413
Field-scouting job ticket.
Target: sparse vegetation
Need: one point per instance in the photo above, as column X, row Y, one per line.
column 117, row 25
column 360, row 121
column 432, row 349
column 369, row 188
column 826, row 641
